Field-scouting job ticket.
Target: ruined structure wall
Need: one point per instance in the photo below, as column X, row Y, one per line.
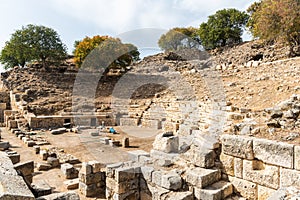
column 258, row 167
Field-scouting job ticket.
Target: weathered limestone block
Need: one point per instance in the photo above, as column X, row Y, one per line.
column 14, row 156
column 128, row 195
column 72, row 184
column 86, row 168
column 245, row 188
column 63, row 195
column 95, row 178
column 4, row 146
column 54, row 162
column 200, row 178
column 272, row 152
column 12, row 185
column 125, row 142
column 26, row 168
column 146, row 173
column 166, row 142
column 264, row 193
column 43, row 166
column 171, row 181
column 128, row 122
column 90, row 190
column 44, row 154
column 237, row 146
column 216, row 191
column 289, row 177
column 157, row 192
column 157, row 177
column 126, row 173
column 110, row 169
column 179, row 196
column 69, row 171
column 227, row 164
column 148, row 123
column 163, row 159
column 41, row 188
column 12, row 124
column 135, row 155
column 238, row 167
column 96, row 166
column 297, row 157
column 260, row 173
column 200, row 157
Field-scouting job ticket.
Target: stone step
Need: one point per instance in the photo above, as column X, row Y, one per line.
column 217, row 191
column 201, row 178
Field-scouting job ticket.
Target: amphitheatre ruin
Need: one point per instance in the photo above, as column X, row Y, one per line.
column 223, row 126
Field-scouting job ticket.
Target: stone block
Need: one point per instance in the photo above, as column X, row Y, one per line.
column 260, row 173
column 89, row 190
column 12, row 186
column 167, row 143
column 180, row 196
column 12, row 124
column 146, row 173
column 157, row 177
column 95, row 178
column 96, row 166
column 30, row 143
column 114, row 143
column 86, row 168
column 125, row 142
column 135, row 155
column 27, row 168
column 289, row 177
column 110, row 169
column 272, row 152
column 216, row 191
column 37, row 149
column 4, row 146
column 227, row 164
column 130, row 185
column 237, row 146
column 44, row 154
column 238, row 167
column 200, row 157
column 200, row 178
column 14, row 157
column 245, row 188
column 297, row 157
column 69, row 171
column 62, row 195
column 128, row 195
column 126, row 173
column 264, row 193
column 43, row 166
column 104, row 140
column 72, row 184
column 128, row 122
column 171, row 181
column 163, row 159
column 41, row 188
column 54, row 162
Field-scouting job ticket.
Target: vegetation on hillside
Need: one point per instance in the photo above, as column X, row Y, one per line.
column 223, row 28
column 179, row 38
column 276, row 21
column 33, row 43
column 103, row 52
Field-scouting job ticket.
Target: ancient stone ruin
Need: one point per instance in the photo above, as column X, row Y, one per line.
column 216, row 136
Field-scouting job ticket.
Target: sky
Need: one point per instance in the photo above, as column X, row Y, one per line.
column 131, row 20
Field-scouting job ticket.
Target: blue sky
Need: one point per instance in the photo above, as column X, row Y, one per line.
column 75, row 19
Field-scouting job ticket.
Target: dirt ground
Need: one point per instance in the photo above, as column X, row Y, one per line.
column 84, row 146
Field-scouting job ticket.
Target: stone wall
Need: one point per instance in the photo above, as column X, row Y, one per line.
column 258, row 167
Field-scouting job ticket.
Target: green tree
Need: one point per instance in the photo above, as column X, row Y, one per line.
column 33, row 42
column 223, row 28
column 104, row 52
column 277, row 20
column 179, row 38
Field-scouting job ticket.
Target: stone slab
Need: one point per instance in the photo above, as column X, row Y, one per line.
column 237, row 146
column 272, row 152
